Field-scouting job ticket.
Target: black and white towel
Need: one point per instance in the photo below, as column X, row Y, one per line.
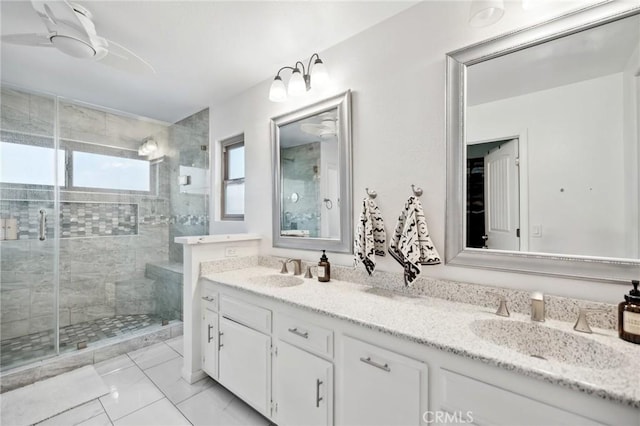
column 370, row 238
column 411, row 244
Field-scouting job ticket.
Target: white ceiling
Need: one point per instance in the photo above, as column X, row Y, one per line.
column 582, row 56
column 203, row 51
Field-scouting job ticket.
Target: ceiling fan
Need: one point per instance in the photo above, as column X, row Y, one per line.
column 71, row 31
column 325, row 129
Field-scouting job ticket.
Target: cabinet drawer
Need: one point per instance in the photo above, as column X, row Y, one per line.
column 209, row 298
column 305, row 335
column 483, row 403
column 244, row 313
column 381, row 387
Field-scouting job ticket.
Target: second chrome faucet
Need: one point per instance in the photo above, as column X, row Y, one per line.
column 537, row 306
column 297, row 265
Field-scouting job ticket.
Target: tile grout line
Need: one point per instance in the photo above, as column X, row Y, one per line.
column 156, row 386
column 105, row 411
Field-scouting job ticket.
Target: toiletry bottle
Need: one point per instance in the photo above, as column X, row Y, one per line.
column 324, row 268
column 629, row 315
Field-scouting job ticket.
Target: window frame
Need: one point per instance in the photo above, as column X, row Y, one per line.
column 225, row 146
column 68, row 147
column 71, row 146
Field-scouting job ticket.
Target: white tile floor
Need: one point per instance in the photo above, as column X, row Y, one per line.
column 146, row 388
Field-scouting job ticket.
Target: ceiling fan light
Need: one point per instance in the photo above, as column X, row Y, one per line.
column 485, row 12
column 277, row 92
column 73, row 47
column 297, row 86
column 319, row 76
column 152, row 146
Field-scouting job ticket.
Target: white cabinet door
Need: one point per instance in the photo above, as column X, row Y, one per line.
column 380, row 387
column 303, row 388
column 245, row 364
column 209, row 330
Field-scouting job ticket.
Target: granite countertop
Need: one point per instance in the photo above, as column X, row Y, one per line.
column 448, row 326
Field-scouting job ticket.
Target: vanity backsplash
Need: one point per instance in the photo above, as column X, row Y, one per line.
column 556, row 307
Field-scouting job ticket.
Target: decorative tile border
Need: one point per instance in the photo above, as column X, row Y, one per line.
column 77, row 219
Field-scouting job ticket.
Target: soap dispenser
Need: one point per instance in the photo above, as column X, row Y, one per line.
column 629, row 315
column 324, row 268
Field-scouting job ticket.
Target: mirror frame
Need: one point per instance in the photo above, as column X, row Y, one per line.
column 456, row 252
column 343, row 245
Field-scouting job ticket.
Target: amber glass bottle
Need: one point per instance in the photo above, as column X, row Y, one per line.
column 629, row 315
column 324, row 268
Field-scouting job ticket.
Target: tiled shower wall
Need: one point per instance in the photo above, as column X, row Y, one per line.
column 300, row 168
column 188, row 206
column 106, row 238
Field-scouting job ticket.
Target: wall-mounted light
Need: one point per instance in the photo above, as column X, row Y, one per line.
column 148, row 147
column 485, row 12
column 300, row 80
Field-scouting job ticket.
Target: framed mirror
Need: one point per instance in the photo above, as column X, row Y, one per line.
column 311, row 152
column 543, row 155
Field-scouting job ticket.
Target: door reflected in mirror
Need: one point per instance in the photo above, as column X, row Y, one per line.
column 552, row 146
column 312, row 177
column 543, row 156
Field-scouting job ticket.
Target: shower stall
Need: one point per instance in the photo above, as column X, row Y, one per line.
column 90, row 201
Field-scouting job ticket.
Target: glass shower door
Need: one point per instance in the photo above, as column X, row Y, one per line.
column 31, row 172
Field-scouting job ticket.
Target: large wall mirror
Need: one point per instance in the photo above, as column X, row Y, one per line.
column 312, row 176
column 543, row 152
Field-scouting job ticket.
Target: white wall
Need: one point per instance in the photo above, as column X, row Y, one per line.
column 575, row 149
column 397, row 73
column 631, row 135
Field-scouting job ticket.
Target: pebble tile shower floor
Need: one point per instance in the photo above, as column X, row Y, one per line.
column 24, row 348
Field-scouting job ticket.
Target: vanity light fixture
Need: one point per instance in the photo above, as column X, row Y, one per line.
column 300, row 81
column 485, row 12
column 148, row 147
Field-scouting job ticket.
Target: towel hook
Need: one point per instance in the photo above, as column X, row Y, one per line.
column 417, row 191
column 372, row 194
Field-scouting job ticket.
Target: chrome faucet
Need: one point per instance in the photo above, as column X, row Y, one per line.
column 582, row 324
column 537, row 306
column 502, row 311
column 283, row 270
column 297, row 266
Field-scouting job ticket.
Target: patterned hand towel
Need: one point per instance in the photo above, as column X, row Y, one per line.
column 370, row 238
column 411, row 245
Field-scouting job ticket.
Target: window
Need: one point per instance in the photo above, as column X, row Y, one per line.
column 110, row 172
column 80, row 166
column 30, row 164
column 233, row 178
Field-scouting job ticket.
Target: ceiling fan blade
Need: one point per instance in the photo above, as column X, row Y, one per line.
column 41, row 40
column 312, row 128
column 124, row 59
column 58, row 12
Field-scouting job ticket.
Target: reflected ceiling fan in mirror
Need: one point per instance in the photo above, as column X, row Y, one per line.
column 326, row 128
column 71, row 30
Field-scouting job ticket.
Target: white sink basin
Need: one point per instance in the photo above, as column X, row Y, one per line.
column 276, row 280
column 547, row 343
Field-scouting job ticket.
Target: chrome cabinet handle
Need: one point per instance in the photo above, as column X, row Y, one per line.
column 209, row 328
column 384, row 367
column 318, row 397
column 299, row 333
column 220, row 345
column 43, row 225
column 208, row 298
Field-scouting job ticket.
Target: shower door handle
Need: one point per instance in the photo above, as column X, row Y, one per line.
column 43, row 225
